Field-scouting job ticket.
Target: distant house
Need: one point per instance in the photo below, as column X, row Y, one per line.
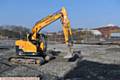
column 115, row 35
column 106, row 30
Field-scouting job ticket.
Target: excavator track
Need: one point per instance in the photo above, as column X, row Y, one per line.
column 27, row 60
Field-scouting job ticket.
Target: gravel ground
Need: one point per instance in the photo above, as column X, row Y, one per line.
column 99, row 62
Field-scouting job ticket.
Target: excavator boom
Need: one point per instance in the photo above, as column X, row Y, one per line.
column 62, row 15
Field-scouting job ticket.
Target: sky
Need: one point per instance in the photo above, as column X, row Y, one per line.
column 82, row 13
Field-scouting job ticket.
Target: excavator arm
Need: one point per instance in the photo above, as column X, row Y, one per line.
column 62, row 15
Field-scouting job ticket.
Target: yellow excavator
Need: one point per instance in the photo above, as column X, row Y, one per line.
column 33, row 49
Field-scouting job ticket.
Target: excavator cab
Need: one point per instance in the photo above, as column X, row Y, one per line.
column 40, row 44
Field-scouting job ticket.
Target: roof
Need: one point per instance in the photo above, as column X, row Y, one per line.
column 96, row 32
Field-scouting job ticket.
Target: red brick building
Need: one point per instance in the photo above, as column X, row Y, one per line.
column 106, row 30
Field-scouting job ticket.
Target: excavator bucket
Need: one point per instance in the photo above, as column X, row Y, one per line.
column 73, row 56
column 69, row 52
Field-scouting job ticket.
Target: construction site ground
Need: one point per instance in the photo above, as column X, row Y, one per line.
column 97, row 62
